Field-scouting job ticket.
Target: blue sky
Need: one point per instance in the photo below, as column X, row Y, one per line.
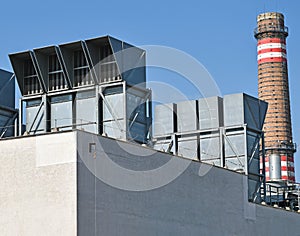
column 217, row 33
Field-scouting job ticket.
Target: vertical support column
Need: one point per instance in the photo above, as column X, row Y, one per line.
column 264, row 165
column 97, row 110
column 20, row 116
column 16, row 127
column 246, row 150
column 46, row 121
column 149, row 117
column 222, row 151
column 74, row 111
column 125, row 111
column 175, row 144
column 100, row 103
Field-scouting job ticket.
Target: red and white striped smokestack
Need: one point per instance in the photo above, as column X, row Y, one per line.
column 273, row 87
column 271, row 50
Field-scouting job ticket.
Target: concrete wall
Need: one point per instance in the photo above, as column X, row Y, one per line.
column 38, row 185
column 212, row 204
column 38, row 192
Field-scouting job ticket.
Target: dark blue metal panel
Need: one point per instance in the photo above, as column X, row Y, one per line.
column 7, row 89
column 8, row 114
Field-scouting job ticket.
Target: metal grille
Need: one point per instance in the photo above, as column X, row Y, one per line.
column 55, row 74
column 82, row 75
column 108, row 66
column 31, row 83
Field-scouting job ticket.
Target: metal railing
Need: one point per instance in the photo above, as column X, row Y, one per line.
column 271, row 28
column 283, row 195
column 283, row 146
column 67, row 124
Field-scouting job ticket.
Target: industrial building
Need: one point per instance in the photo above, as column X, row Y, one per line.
column 85, row 162
column 219, row 131
column 48, row 188
column 97, row 85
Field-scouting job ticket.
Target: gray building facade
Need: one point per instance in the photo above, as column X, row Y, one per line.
column 54, row 185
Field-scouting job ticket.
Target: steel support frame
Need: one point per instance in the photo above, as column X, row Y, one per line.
column 110, row 109
column 222, row 132
column 11, row 120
